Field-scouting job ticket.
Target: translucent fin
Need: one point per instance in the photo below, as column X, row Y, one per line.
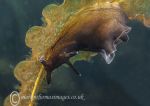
column 83, row 56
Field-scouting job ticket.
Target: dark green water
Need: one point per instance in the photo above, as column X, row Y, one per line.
column 126, row 82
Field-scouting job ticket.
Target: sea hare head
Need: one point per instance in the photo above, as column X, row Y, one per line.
column 116, row 34
column 113, row 34
column 101, row 31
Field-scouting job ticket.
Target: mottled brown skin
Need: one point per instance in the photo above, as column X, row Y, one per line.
column 92, row 31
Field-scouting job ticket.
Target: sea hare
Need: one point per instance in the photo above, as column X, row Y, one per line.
column 101, row 31
column 81, row 28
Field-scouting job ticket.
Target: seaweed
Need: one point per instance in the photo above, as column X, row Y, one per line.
column 137, row 10
column 59, row 19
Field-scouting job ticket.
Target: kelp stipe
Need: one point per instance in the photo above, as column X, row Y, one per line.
column 59, row 19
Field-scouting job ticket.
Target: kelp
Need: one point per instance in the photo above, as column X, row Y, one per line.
column 57, row 18
column 137, row 10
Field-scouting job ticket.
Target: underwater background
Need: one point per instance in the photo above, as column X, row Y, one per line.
column 125, row 82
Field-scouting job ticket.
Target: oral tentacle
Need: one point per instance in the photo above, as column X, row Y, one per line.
column 124, row 35
column 108, row 57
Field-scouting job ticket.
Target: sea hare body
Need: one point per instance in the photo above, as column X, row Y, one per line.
column 100, row 32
